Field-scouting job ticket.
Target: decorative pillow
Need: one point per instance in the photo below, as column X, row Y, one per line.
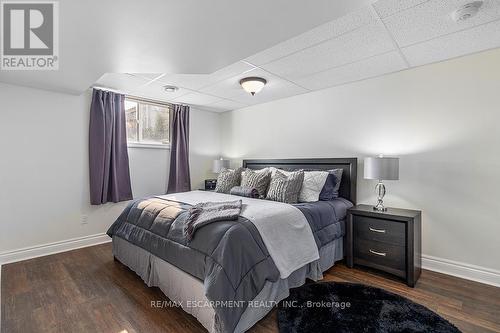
column 285, row 172
column 258, row 179
column 248, row 192
column 331, row 189
column 285, row 188
column 227, row 180
column 273, row 170
column 313, row 183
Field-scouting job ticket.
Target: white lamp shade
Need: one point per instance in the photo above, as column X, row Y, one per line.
column 220, row 164
column 382, row 168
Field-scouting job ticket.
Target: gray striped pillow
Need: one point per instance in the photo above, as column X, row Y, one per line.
column 227, row 180
column 256, row 179
column 285, row 188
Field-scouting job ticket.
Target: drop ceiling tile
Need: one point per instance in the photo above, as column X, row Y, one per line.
column 389, row 7
column 362, row 43
column 155, row 90
column 469, row 41
column 275, row 88
column 364, row 69
column 147, row 76
column 433, row 19
column 335, row 28
column 196, row 98
column 121, row 81
column 187, row 81
column 231, row 70
column 226, row 105
column 197, row 81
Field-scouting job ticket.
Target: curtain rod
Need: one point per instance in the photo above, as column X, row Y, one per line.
column 138, row 98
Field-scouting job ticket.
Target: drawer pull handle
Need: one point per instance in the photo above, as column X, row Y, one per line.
column 382, row 254
column 382, row 231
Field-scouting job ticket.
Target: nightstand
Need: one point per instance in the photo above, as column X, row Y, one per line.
column 210, row 184
column 389, row 241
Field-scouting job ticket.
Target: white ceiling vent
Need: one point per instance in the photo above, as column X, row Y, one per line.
column 466, row 11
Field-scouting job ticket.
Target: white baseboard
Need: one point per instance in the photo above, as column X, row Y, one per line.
column 462, row 270
column 51, row 248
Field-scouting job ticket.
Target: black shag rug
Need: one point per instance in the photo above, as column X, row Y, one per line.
column 347, row 307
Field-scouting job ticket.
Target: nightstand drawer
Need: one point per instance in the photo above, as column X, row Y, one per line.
column 384, row 231
column 378, row 255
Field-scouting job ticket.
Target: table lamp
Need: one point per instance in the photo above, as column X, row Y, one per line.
column 381, row 168
column 220, row 164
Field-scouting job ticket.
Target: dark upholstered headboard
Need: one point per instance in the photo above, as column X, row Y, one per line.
column 349, row 165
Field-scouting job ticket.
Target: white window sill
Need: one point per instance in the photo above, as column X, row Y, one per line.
column 148, row 145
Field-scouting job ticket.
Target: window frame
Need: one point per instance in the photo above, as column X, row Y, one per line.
column 139, row 144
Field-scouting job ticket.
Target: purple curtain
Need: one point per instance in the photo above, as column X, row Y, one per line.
column 108, row 156
column 179, row 179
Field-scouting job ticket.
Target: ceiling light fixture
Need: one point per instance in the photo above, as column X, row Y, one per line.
column 253, row 85
column 466, row 11
column 170, row 89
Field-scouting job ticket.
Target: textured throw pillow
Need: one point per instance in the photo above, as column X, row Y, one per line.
column 273, row 170
column 227, row 180
column 258, row 179
column 313, row 183
column 331, row 189
column 285, row 188
column 285, row 172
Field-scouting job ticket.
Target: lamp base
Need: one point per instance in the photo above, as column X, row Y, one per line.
column 380, row 208
column 380, row 190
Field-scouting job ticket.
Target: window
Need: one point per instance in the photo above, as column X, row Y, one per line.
column 147, row 123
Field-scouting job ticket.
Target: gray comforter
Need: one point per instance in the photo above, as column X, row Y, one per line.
column 231, row 272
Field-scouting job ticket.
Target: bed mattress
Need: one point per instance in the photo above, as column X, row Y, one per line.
column 188, row 291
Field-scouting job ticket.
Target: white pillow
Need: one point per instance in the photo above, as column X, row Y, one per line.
column 312, row 185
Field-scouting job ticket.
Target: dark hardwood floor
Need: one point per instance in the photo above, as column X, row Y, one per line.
column 86, row 291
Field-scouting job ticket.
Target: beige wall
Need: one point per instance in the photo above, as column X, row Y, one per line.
column 44, row 167
column 443, row 120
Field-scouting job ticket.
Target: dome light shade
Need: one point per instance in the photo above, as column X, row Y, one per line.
column 253, row 85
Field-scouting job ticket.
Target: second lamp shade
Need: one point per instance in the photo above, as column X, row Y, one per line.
column 220, row 164
column 382, row 168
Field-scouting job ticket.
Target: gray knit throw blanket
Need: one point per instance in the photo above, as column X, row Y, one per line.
column 207, row 212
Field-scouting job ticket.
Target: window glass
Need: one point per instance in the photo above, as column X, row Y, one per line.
column 147, row 122
column 132, row 115
column 154, row 123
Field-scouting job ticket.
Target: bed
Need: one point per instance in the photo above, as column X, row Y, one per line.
column 226, row 286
